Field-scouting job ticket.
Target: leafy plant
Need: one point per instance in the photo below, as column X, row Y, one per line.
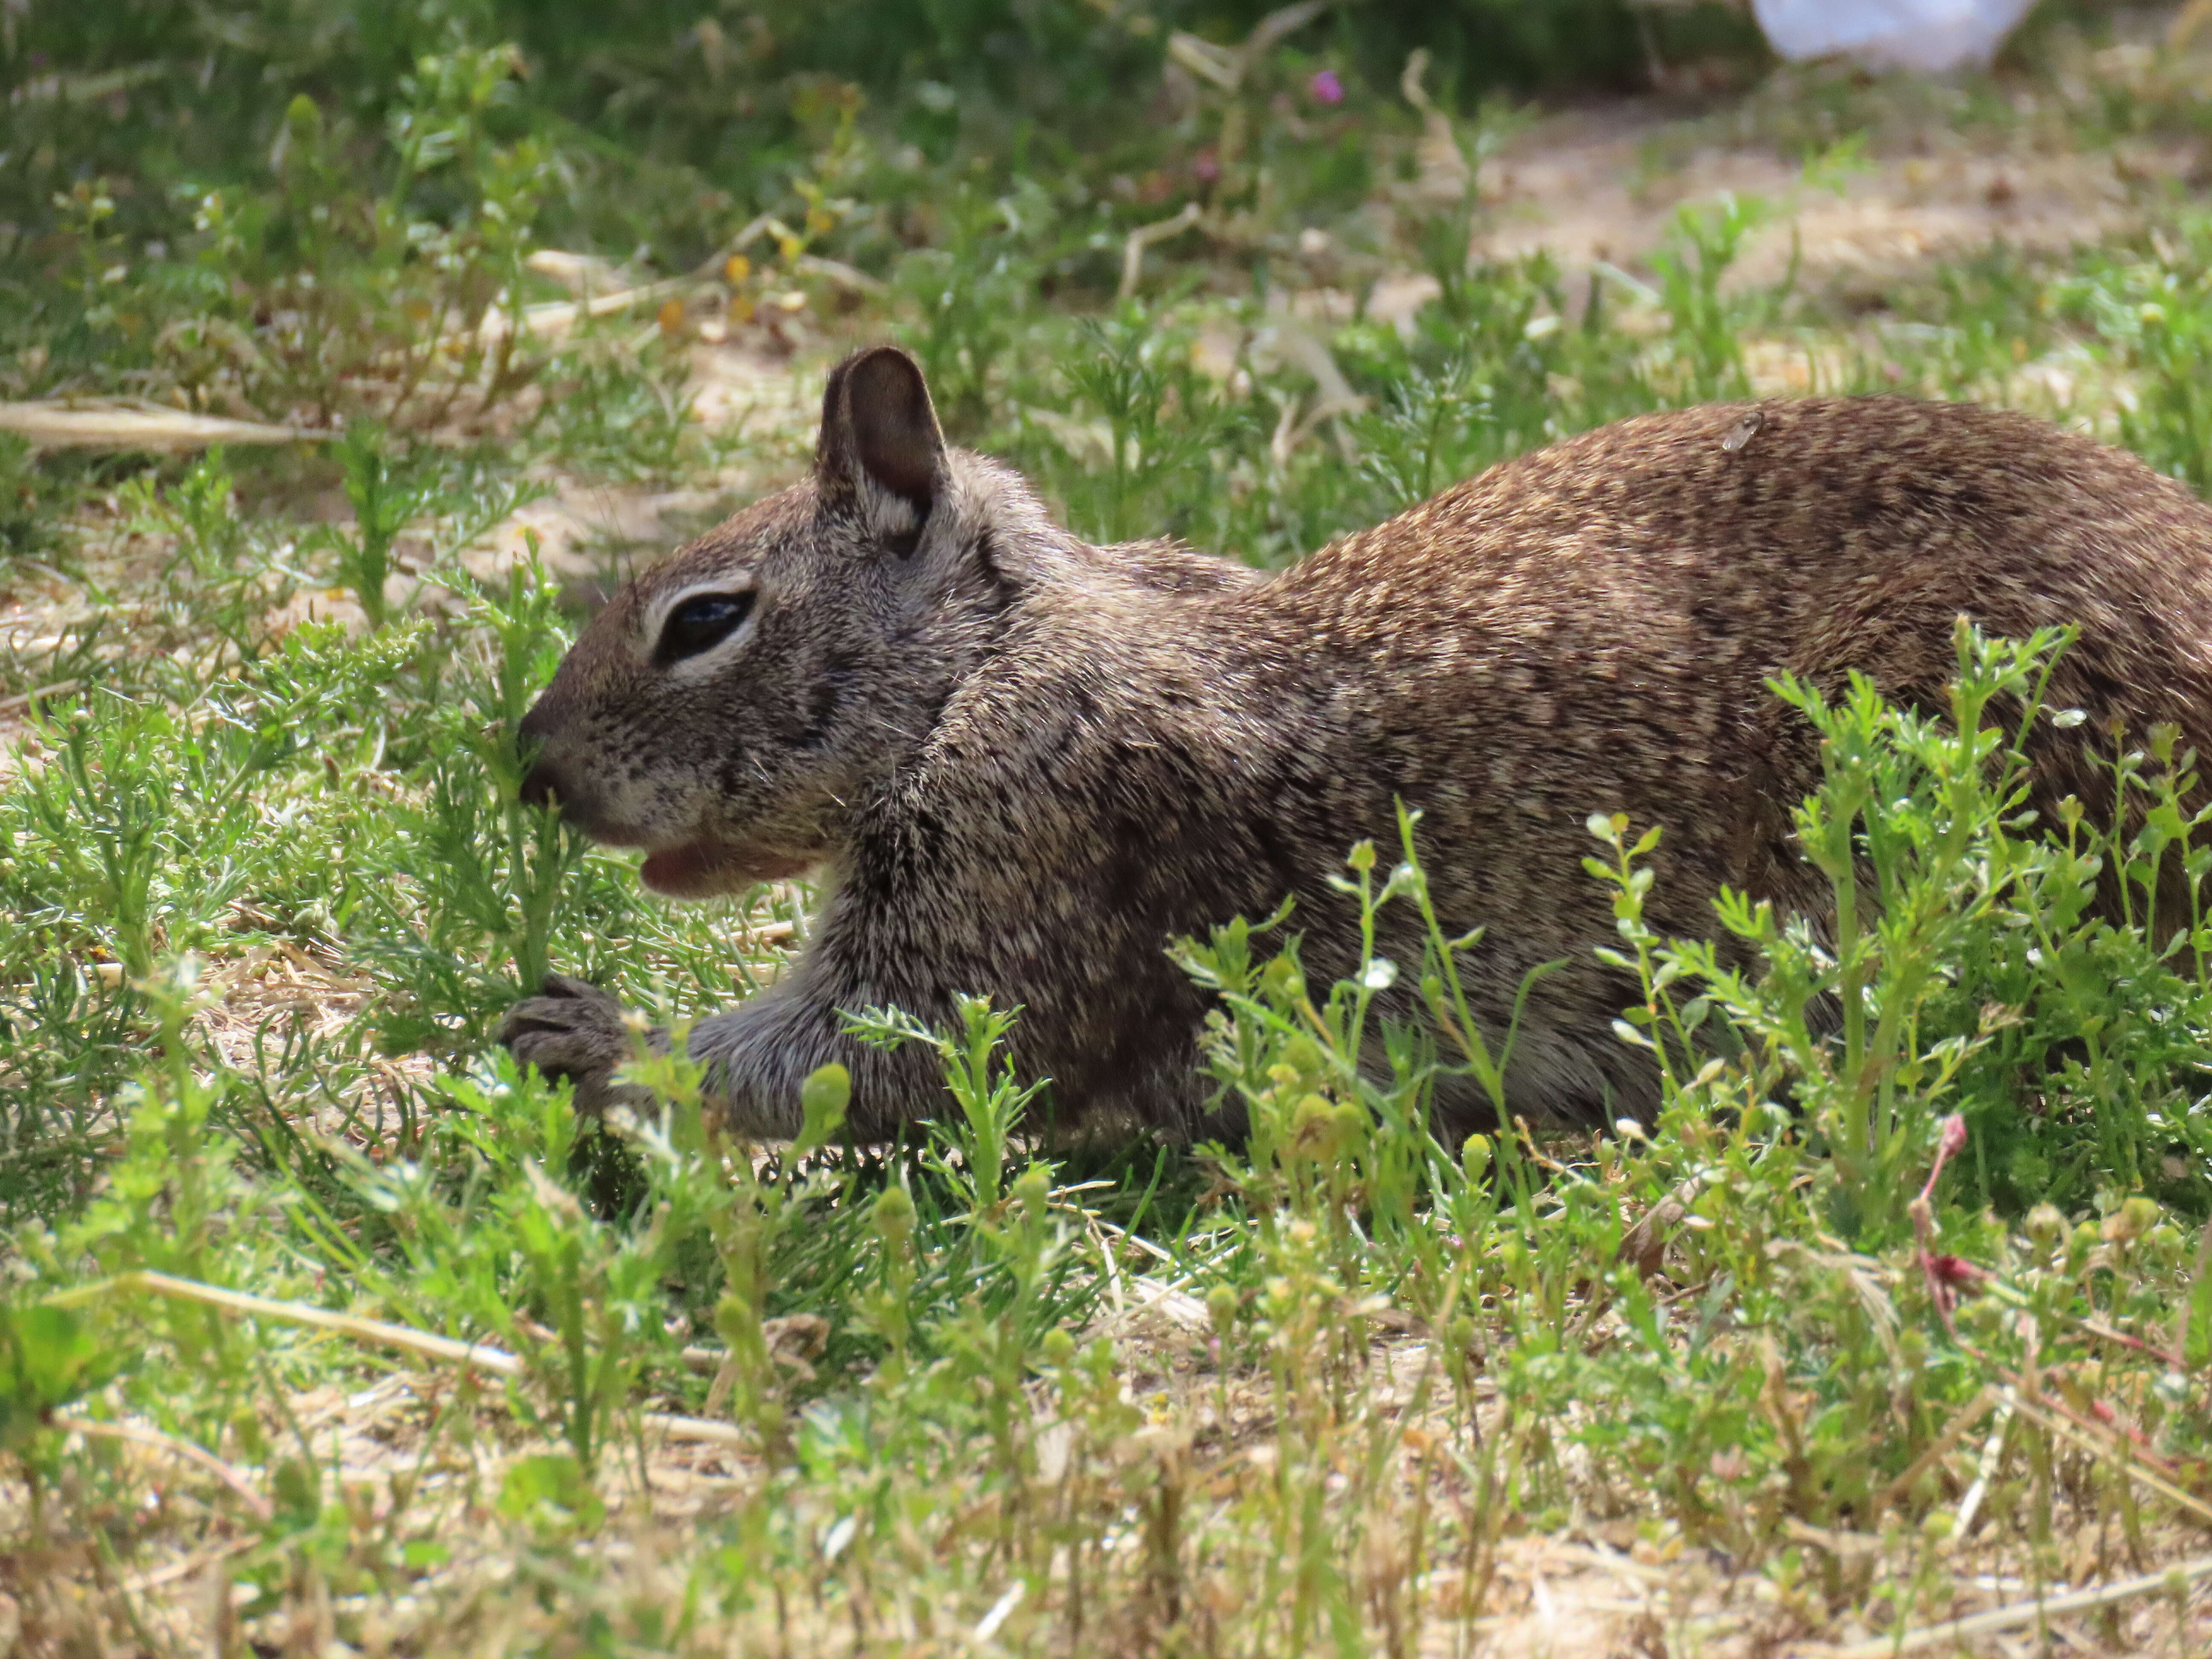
column 1903, row 1292
column 47, row 1360
column 2155, row 317
column 488, row 870
column 1161, row 427
column 1706, row 241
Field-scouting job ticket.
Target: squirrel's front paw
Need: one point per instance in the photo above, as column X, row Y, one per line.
column 572, row 1030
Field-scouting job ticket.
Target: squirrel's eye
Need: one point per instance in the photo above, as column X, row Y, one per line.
column 700, row 623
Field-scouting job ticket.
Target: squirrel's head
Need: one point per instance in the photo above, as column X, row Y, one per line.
column 732, row 706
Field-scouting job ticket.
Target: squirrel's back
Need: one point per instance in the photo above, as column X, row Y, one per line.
column 1592, row 627
column 1759, row 528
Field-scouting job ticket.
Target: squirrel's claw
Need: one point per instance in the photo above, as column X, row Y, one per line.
column 573, row 1030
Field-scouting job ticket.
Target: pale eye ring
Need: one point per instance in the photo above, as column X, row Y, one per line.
column 700, row 623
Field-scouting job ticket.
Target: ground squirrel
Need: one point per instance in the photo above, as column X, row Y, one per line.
column 1021, row 764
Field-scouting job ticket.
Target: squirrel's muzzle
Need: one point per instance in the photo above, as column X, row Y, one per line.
column 547, row 784
column 550, row 785
column 542, row 787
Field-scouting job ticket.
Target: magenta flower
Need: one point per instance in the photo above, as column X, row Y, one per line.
column 1205, row 166
column 1327, row 87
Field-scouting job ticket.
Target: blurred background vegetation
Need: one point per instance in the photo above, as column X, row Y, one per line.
column 292, row 211
column 175, row 174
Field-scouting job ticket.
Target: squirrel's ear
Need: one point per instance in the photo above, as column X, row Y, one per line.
column 878, row 425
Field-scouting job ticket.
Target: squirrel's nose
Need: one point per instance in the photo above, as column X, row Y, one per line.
column 542, row 785
column 542, row 788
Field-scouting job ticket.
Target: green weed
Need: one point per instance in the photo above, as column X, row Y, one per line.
column 315, row 1308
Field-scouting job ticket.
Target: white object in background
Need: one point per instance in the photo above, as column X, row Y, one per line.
column 1931, row 36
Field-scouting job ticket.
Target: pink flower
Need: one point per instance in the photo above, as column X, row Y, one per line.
column 1954, row 1272
column 1327, row 87
column 1207, row 166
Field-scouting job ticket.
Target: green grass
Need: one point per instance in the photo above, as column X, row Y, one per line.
column 319, row 1325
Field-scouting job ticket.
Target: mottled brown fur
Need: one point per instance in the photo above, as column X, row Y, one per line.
column 1023, row 763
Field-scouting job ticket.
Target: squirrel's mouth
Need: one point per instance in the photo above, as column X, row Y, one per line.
column 706, row 868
